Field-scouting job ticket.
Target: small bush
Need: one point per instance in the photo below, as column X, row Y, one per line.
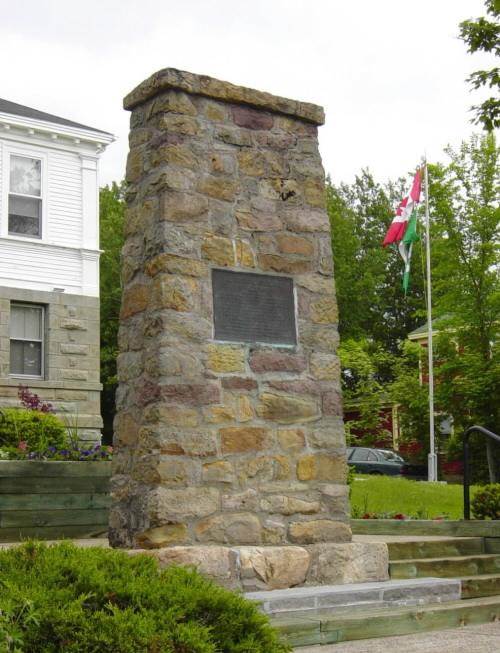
column 486, row 502
column 38, row 430
column 61, row 598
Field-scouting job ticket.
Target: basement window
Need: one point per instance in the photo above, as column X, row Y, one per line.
column 26, row 340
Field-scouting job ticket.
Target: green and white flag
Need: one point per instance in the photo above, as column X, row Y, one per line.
column 406, row 247
column 403, row 229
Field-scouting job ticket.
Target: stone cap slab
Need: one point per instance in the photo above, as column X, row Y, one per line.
column 171, row 78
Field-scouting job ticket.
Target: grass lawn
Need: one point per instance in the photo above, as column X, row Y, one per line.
column 418, row 499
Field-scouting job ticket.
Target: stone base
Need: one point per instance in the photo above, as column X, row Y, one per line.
column 279, row 567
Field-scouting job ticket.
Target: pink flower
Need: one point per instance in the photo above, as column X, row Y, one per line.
column 23, row 445
column 32, row 401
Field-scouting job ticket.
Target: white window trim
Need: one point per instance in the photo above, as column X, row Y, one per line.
column 34, row 153
column 42, row 352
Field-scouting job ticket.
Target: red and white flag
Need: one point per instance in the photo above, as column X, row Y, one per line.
column 403, row 229
column 404, row 212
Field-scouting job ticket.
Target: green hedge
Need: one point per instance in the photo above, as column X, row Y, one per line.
column 39, row 430
column 63, row 598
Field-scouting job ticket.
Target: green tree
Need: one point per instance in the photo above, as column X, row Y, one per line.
column 365, row 366
column 112, row 210
column 375, row 315
column 466, row 263
column 411, row 397
column 483, row 35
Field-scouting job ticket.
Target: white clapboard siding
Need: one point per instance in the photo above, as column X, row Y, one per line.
column 1, row 179
column 37, row 266
column 66, row 257
column 64, row 210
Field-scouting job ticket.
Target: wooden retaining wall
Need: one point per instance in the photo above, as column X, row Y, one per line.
column 462, row 528
column 53, row 499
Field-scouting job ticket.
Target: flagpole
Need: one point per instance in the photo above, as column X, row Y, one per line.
column 432, row 458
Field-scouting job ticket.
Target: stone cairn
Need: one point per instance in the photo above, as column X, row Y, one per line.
column 229, row 455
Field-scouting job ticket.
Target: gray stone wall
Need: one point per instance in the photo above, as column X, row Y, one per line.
column 225, row 443
column 71, row 380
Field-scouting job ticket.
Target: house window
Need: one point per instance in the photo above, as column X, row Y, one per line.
column 26, row 340
column 25, row 196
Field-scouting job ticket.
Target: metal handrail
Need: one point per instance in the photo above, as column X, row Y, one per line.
column 467, row 434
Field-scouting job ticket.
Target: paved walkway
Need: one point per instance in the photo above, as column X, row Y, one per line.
column 484, row 638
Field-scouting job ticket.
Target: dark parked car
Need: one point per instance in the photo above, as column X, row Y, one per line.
column 383, row 461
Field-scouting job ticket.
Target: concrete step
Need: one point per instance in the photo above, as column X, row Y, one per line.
column 329, row 627
column 419, row 591
column 445, row 548
column 454, row 567
column 482, row 585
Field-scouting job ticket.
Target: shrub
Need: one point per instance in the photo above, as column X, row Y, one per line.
column 486, row 502
column 39, row 430
column 61, row 598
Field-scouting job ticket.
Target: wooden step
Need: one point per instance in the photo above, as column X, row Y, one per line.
column 492, row 544
column 454, row 567
column 426, row 527
column 64, row 531
column 446, row 548
column 481, row 585
column 327, row 627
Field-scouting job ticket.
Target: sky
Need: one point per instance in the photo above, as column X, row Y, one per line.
column 390, row 74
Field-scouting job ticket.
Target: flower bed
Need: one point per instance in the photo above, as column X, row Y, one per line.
column 34, row 432
column 51, row 484
column 50, row 499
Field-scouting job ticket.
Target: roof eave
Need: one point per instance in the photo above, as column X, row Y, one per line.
column 422, row 335
column 46, row 127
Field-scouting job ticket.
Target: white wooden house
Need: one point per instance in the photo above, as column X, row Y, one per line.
column 49, row 261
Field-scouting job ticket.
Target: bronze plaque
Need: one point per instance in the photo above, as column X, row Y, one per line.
column 252, row 307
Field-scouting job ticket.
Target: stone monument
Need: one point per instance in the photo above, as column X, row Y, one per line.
column 229, row 440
